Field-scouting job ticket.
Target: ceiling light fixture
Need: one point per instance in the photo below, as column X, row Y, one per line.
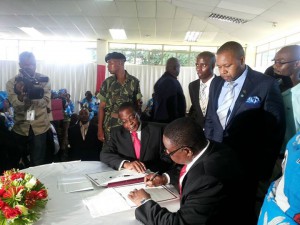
column 191, row 36
column 118, row 34
column 32, row 32
column 228, row 19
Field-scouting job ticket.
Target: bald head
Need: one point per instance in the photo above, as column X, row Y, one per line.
column 290, row 51
column 173, row 66
column 287, row 62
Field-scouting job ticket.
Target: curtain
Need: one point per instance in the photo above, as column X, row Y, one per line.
column 79, row 78
column 76, row 78
column 148, row 75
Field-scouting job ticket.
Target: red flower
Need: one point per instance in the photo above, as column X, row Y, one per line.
column 2, row 204
column 10, row 213
column 10, row 193
column 17, row 197
column 17, row 176
column 42, row 194
column 31, row 194
column 2, row 191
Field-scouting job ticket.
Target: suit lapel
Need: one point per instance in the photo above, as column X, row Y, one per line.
column 243, row 95
column 196, row 97
column 145, row 134
column 199, row 160
column 128, row 142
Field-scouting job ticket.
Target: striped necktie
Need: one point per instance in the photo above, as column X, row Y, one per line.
column 203, row 98
column 225, row 106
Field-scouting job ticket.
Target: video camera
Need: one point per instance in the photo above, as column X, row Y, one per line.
column 30, row 81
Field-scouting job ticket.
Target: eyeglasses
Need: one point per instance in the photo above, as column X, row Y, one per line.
column 176, row 150
column 130, row 118
column 201, row 65
column 282, row 62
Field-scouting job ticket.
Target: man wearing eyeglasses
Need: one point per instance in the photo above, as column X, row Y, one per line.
column 211, row 186
column 120, row 151
column 287, row 64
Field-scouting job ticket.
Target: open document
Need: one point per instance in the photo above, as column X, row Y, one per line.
column 73, row 183
column 116, row 178
column 113, row 200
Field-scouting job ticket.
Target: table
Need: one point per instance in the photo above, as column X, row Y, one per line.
column 68, row 208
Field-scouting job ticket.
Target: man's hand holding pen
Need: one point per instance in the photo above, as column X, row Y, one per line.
column 154, row 180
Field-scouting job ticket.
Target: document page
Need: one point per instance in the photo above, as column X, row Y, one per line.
column 73, row 183
column 109, row 177
column 112, row 200
column 158, row 194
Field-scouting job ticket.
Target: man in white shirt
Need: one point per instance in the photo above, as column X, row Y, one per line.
column 199, row 89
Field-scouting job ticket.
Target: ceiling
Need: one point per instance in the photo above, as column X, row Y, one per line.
column 150, row 21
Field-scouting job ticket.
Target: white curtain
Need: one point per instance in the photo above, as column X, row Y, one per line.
column 79, row 78
column 148, row 75
column 76, row 78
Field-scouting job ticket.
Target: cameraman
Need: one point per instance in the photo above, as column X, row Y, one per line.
column 29, row 94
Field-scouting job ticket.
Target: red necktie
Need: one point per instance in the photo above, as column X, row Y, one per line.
column 136, row 144
column 182, row 172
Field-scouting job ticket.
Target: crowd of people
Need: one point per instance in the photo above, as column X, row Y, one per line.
column 223, row 155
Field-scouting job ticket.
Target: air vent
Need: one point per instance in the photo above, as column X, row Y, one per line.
column 228, row 19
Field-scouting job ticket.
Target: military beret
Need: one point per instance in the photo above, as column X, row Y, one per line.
column 115, row 55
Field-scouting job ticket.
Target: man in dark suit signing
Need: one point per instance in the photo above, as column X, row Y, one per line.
column 120, row 152
column 199, row 89
column 246, row 112
column 211, row 181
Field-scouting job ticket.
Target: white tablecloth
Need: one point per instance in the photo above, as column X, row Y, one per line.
column 68, row 208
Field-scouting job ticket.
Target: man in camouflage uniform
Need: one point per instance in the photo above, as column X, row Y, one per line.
column 115, row 90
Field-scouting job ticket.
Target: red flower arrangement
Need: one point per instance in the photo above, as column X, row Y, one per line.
column 22, row 197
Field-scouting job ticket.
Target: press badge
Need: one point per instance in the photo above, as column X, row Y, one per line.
column 30, row 115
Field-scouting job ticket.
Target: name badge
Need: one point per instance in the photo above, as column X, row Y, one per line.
column 30, row 115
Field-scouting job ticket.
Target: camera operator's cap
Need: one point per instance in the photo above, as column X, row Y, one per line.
column 115, row 55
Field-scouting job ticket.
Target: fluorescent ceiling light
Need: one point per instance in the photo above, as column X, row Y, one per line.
column 31, row 32
column 228, row 19
column 191, row 36
column 118, row 34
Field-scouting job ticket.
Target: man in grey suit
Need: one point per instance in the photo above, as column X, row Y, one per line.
column 119, row 152
column 254, row 123
column 199, row 89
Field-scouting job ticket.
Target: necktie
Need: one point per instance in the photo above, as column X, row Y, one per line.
column 182, row 172
column 203, row 98
column 136, row 144
column 225, row 106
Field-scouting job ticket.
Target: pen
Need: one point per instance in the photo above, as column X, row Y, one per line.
column 155, row 174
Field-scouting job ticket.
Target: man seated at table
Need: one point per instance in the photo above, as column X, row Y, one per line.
column 211, row 181
column 83, row 139
column 135, row 145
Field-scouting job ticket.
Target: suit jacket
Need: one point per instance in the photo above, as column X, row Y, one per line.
column 256, row 126
column 169, row 100
column 210, row 193
column 88, row 149
column 120, row 147
column 195, row 111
